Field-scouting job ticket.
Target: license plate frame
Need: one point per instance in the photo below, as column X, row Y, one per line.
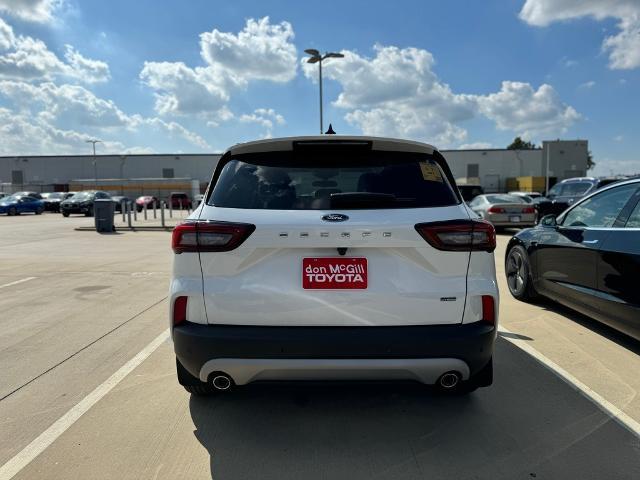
column 515, row 218
column 335, row 273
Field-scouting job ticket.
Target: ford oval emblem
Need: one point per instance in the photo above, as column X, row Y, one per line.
column 335, row 217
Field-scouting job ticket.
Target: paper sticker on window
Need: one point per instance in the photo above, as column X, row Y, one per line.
column 430, row 172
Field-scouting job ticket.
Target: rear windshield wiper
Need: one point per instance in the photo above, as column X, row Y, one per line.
column 365, row 200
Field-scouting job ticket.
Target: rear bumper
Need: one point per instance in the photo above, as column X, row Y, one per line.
column 250, row 353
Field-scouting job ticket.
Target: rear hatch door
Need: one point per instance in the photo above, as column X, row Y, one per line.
column 335, row 242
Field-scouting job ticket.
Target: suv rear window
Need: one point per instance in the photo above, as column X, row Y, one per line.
column 353, row 180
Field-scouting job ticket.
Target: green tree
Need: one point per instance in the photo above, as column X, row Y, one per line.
column 590, row 162
column 519, row 144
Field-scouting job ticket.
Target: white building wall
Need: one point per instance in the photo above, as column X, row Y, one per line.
column 494, row 166
column 63, row 169
column 568, row 158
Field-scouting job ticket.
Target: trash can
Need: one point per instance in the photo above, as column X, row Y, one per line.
column 103, row 211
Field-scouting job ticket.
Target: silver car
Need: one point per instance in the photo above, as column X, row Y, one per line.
column 504, row 210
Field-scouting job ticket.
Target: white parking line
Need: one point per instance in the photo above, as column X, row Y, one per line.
column 17, row 282
column 46, row 438
column 608, row 407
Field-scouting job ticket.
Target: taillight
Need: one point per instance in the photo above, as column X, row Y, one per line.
column 496, row 210
column 180, row 310
column 459, row 235
column 209, row 236
column 488, row 309
column 528, row 210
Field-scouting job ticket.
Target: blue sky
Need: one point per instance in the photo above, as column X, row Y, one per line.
column 197, row 76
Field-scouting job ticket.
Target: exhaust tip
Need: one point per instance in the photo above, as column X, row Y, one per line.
column 222, row 382
column 449, row 380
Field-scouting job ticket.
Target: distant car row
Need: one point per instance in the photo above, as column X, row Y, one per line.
column 524, row 209
column 82, row 203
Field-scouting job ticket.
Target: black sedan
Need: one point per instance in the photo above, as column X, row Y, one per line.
column 52, row 200
column 82, row 202
column 587, row 259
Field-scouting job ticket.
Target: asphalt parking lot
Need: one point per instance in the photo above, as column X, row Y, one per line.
column 78, row 306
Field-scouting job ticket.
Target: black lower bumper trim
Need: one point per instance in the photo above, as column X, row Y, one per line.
column 195, row 344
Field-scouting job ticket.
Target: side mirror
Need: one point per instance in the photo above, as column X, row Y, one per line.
column 549, row 221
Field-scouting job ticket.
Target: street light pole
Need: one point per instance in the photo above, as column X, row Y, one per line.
column 546, row 183
column 317, row 58
column 320, row 82
column 95, row 163
column 123, row 158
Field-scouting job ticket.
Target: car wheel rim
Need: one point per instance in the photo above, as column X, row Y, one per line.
column 516, row 272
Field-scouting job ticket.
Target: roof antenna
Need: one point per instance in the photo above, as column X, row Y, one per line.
column 330, row 131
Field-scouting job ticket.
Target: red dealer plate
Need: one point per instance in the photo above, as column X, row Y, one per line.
column 334, row 273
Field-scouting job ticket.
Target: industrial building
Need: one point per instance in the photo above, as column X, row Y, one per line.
column 493, row 169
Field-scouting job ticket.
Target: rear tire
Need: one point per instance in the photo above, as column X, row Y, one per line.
column 65, row 214
column 89, row 212
column 12, row 211
column 517, row 269
column 192, row 384
column 39, row 211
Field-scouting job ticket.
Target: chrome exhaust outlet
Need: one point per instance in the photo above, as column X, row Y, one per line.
column 221, row 382
column 449, row 380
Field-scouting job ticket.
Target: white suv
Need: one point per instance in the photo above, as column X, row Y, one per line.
column 333, row 258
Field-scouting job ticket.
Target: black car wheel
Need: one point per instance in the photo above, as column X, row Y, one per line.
column 12, row 211
column 518, row 271
column 89, row 212
column 39, row 211
column 65, row 214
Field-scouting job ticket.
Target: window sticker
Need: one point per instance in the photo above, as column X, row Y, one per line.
column 430, row 172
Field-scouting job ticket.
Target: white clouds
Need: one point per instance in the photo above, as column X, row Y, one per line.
column 182, row 90
column 623, row 48
column 28, row 58
column 528, row 112
column 86, row 69
column 608, row 166
column 476, row 146
column 266, row 117
column 69, row 104
column 263, row 116
column 40, row 11
column 397, row 93
column 78, row 108
column 61, row 116
column 7, row 38
column 261, row 51
column 587, row 85
column 27, row 135
column 176, row 130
